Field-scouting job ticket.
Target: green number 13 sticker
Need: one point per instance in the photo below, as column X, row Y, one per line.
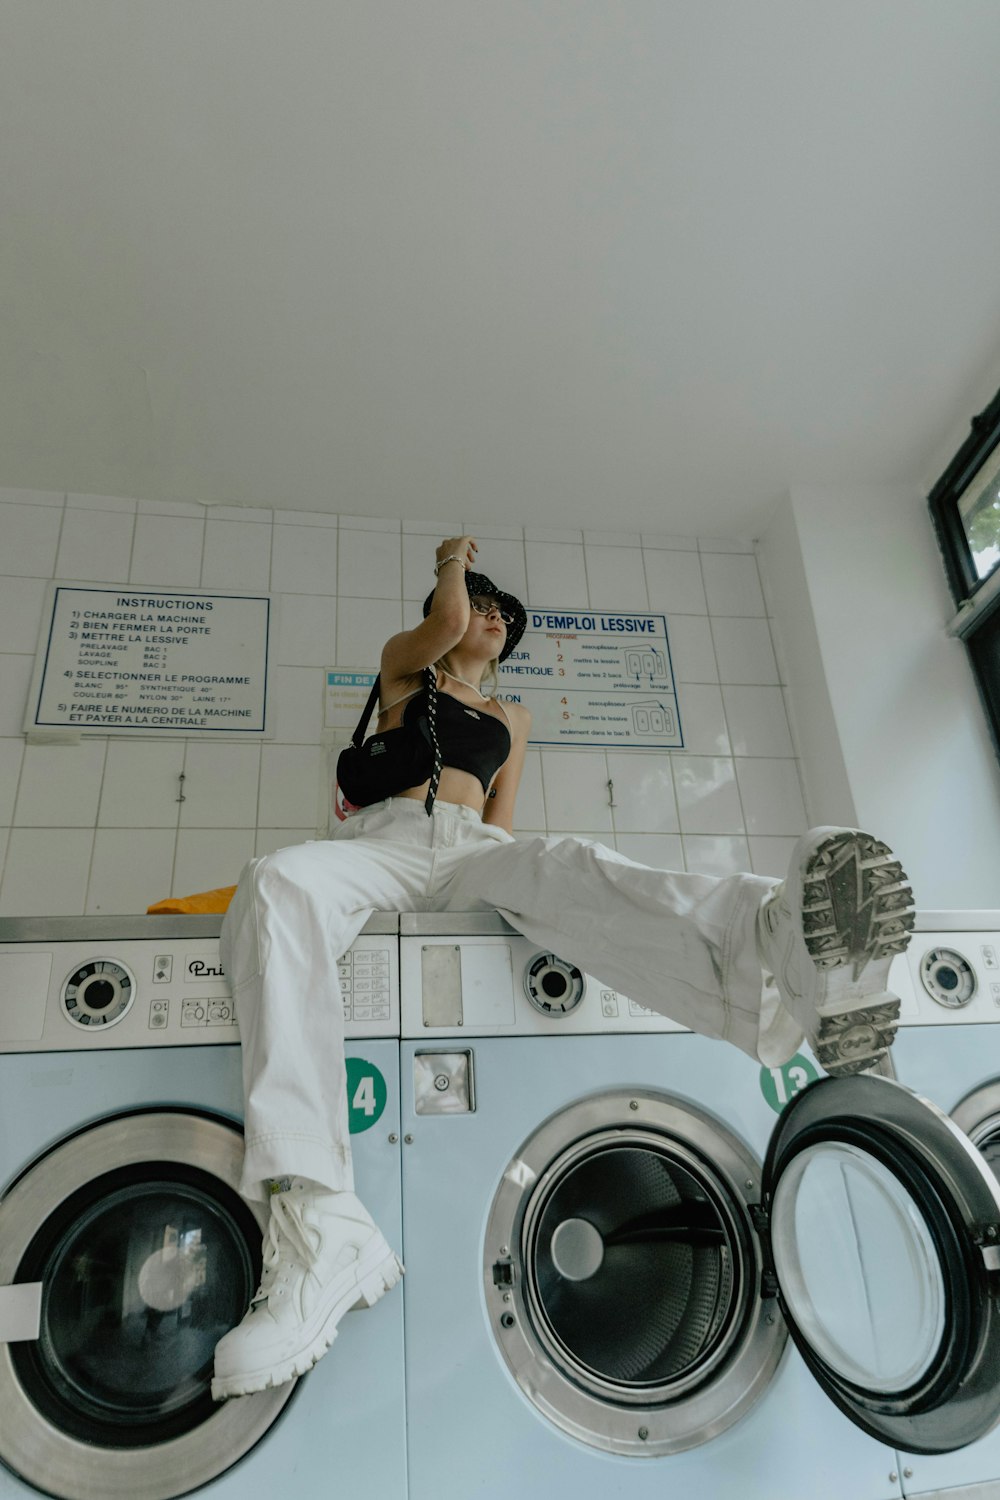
column 366, row 1094
column 780, row 1085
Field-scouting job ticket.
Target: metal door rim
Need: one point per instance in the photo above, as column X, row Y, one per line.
column 29, row 1444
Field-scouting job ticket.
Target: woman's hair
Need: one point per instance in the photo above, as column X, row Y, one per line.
column 491, row 673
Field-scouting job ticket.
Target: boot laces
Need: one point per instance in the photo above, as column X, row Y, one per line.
column 287, row 1222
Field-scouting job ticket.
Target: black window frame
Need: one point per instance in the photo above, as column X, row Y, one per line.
column 977, row 599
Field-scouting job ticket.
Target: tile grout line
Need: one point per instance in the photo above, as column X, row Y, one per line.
column 783, row 690
column 24, row 747
column 731, row 757
column 541, row 757
column 725, row 715
column 93, row 831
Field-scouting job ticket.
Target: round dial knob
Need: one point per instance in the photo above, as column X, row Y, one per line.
column 553, row 986
column 98, row 993
column 948, row 977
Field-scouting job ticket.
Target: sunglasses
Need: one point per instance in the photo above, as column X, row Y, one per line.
column 485, row 606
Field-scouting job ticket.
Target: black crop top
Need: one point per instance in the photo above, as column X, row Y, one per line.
column 471, row 740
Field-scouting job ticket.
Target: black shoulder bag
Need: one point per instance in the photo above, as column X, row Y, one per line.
column 387, row 763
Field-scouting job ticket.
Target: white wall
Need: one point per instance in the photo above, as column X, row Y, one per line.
column 96, row 827
column 814, row 728
column 860, row 603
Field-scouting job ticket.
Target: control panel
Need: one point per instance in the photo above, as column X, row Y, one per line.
column 487, row 980
column 105, row 992
column 472, row 973
column 954, row 977
column 367, row 986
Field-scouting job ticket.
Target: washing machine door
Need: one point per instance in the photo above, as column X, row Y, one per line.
column 881, row 1235
column 139, row 1254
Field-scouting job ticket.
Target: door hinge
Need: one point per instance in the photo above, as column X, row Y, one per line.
column 987, row 1237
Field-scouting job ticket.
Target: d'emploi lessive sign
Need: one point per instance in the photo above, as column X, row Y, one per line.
column 595, row 678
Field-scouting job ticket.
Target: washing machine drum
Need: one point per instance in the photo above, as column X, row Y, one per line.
column 978, row 1115
column 623, row 1271
column 641, row 1269
column 635, row 1266
column 142, row 1255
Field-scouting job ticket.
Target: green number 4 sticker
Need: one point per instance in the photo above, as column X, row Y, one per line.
column 780, row 1085
column 366, row 1094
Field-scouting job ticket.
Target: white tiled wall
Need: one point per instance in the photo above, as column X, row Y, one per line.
column 98, row 827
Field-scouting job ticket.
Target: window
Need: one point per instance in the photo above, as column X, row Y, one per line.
column 965, row 505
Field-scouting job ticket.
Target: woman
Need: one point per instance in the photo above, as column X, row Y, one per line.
column 693, row 947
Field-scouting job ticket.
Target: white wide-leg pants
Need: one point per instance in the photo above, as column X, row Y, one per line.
column 683, row 945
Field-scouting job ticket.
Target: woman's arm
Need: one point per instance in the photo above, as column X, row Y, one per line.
column 499, row 808
column 406, row 654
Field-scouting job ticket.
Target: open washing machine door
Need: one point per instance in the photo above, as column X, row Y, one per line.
column 139, row 1254
column 880, row 1227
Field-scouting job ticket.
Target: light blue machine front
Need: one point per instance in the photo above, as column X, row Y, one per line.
column 945, row 1064
column 472, row 1430
column 343, row 1430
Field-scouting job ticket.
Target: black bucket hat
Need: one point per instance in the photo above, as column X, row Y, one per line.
column 478, row 583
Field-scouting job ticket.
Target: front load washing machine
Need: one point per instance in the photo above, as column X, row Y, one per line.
column 125, row 1251
column 948, row 1049
column 609, row 1231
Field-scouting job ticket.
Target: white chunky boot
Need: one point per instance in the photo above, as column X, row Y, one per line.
column 323, row 1255
column 827, row 936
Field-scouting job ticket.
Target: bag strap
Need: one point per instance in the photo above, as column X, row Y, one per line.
column 432, row 708
column 357, row 737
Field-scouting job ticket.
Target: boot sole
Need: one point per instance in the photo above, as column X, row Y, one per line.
column 857, row 910
column 377, row 1272
column 856, row 1040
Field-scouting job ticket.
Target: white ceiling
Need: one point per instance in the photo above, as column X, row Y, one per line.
column 571, row 262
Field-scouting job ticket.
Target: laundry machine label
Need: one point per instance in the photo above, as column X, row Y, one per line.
column 203, row 965
column 366, row 1094
column 780, row 1085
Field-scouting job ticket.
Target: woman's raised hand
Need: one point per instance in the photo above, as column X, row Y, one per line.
column 463, row 548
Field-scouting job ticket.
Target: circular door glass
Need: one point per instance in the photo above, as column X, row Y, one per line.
column 978, row 1114
column 632, row 1267
column 622, row 1274
column 858, row 1267
column 145, row 1255
column 142, row 1276
column 979, row 1117
column 989, row 1144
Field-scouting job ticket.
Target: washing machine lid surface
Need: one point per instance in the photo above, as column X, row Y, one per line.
column 881, row 1238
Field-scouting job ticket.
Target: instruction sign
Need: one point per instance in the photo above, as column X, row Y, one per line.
column 346, row 694
column 595, row 678
column 161, row 661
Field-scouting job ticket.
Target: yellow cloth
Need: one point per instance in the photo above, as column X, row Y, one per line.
column 217, row 900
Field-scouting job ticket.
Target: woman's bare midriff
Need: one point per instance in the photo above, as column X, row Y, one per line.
column 455, row 786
